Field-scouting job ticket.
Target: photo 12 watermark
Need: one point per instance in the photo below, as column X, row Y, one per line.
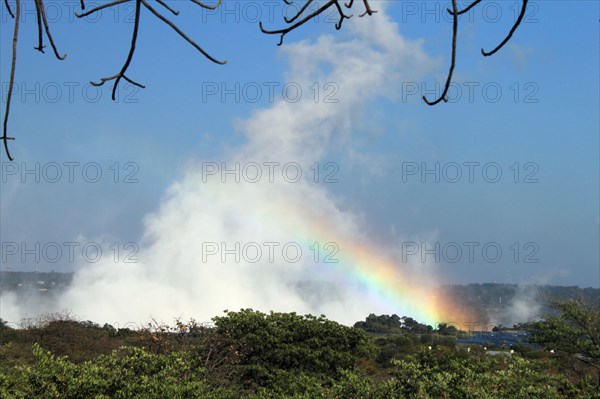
column 269, row 252
column 469, row 252
column 473, row 91
column 267, row 12
column 35, row 92
column 67, row 252
column 470, row 172
column 57, row 11
column 254, row 92
column 490, row 12
column 271, row 172
column 69, row 172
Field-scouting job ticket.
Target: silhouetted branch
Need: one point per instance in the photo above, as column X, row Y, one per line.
column 42, row 12
column 138, row 5
column 514, row 28
column 8, row 8
column 302, row 9
column 11, row 83
column 96, row 9
column 467, row 9
column 343, row 16
column 368, row 10
column 320, row 10
column 38, row 15
column 213, row 7
column 453, row 61
column 298, row 20
column 41, row 19
column 183, row 35
column 121, row 75
column 165, row 5
column 104, row 80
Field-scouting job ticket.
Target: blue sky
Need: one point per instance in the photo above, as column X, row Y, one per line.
column 533, row 109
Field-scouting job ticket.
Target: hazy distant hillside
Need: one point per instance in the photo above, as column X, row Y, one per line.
column 20, row 281
column 511, row 303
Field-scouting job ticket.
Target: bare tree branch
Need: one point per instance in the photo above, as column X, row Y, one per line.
column 208, row 7
column 301, row 17
column 323, row 8
column 514, row 28
column 165, row 5
column 467, row 9
column 138, row 5
column 368, row 10
column 11, row 83
column 42, row 12
column 38, row 15
column 302, row 9
column 298, row 20
column 453, row 61
column 8, row 8
column 96, row 9
column 121, row 74
column 41, row 19
column 176, row 29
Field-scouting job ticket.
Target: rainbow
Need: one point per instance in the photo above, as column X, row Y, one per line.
column 388, row 283
column 396, row 290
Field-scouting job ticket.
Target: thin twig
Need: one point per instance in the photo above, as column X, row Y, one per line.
column 284, row 31
column 183, row 35
column 38, row 15
column 138, row 4
column 136, row 26
column 514, row 28
column 103, row 6
column 302, row 9
column 368, row 10
column 290, row 28
column 108, row 79
column 11, row 83
column 473, row 4
column 8, row 8
column 453, row 61
column 343, row 16
column 50, row 39
column 165, row 5
column 213, row 7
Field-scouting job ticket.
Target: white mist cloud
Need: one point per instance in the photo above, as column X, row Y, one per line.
column 525, row 305
column 175, row 278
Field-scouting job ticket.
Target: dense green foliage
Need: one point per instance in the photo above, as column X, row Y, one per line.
column 385, row 324
column 128, row 373
column 574, row 334
column 270, row 345
column 279, row 355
